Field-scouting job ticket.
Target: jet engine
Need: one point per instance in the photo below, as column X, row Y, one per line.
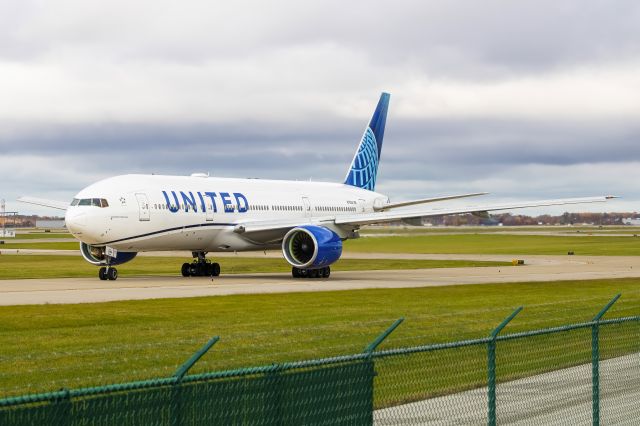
column 97, row 255
column 311, row 247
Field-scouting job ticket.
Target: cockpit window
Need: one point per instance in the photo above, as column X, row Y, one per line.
column 96, row 202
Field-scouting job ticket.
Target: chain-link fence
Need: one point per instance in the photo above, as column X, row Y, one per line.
column 575, row 374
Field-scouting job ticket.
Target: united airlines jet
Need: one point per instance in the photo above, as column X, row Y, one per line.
column 118, row 217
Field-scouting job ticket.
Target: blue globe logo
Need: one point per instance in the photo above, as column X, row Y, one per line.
column 365, row 165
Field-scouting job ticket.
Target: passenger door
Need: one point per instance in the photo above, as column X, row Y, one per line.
column 361, row 204
column 209, row 208
column 306, row 206
column 143, row 207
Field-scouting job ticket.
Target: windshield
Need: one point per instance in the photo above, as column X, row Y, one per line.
column 96, row 202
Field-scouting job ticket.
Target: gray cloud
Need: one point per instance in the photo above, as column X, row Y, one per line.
column 525, row 99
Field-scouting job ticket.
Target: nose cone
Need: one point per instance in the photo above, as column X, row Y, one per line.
column 76, row 221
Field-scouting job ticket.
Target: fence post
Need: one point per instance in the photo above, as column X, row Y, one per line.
column 373, row 345
column 369, row 351
column 595, row 361
column 179, row 374
column 491, row 366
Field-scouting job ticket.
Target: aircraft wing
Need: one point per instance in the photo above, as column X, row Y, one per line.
column 382, row 217
column 426, row 200
column 274, row 230
column 60, row 205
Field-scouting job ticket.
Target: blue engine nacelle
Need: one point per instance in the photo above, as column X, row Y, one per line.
column 97, row 255
column 311, row 247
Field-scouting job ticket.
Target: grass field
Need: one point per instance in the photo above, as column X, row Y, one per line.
column 15, row 267
column 483, row 243
column 72, row 245
column 52, row 346
column 39, row 235
column 497, row 244
column 561, row 230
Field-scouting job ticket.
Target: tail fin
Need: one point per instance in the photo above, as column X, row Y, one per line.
column 364, row 167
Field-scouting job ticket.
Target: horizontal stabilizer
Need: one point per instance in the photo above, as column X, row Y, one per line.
column 60, row 205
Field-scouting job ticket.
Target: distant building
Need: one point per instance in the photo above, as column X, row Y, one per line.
column 50, row 224
column 631, row 221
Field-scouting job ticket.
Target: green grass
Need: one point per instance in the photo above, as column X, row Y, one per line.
column 39, row 235
column 47, row 347
column 553, row 230
column 72, row 245
column 14, row 266
column 484, row 243
column 497, row 244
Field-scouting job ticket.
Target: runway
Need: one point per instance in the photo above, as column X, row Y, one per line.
column 538, row 268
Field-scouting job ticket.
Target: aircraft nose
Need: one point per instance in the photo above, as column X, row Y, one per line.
column 75, row 221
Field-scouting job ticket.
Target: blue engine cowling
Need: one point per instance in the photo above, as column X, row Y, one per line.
column 97, row 255
column 311, row 247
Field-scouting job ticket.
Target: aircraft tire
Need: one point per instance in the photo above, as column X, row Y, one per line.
column 201, row 269
column 185, row 270
column 102, row 274
column 215, row 269
column 193, row 270
column 326, row 271
column 295, row 272
column 112, row 274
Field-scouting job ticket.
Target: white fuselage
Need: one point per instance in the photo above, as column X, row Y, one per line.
column 154, row 212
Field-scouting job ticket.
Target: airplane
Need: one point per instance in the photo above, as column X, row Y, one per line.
column 118, row 217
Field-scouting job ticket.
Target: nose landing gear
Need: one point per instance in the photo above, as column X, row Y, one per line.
column 108, row 273
column 200, row 267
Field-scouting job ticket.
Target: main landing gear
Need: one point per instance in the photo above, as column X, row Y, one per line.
column 311, row 273
column 108, row 273
column 200, row 267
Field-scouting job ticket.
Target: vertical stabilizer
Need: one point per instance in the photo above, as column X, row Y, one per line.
column 364, row 167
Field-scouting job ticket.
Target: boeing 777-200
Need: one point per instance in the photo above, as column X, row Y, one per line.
column 118, row 217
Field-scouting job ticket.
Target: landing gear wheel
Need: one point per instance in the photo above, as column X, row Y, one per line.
column 314, row 273
column 102, row 273
column 200, row 267
column 193, row 270
column 295, row 272
column 185, row 270
column 326, row 271
column 112, row 274
column 215, row 269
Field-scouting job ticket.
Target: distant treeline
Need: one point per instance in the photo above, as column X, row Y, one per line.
column 22, row 221
column 508, row 219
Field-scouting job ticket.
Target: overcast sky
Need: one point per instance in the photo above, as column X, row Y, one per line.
column 524, row 99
